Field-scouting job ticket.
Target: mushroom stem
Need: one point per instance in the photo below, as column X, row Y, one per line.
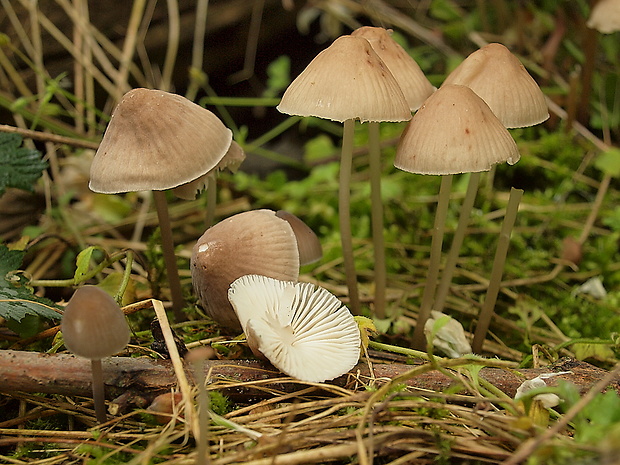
column 376, row 209
column 486, row 313
column 419, row 340
column 211, row 202
column 457, row 241
column 167, row 245
column 344, row 215
column 98, row 390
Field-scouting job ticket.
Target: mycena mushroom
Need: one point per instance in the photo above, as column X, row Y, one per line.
column 345, row 82
column 302, row 329
column 94, row 327
column 158, row 141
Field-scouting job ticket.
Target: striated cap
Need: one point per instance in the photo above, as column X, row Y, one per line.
column 302, row 329
column 253, row 242
column 499, row 78
column 93, row 325
column 345, row 81
column 412, row 81
column 156, row 141
column 454, row 132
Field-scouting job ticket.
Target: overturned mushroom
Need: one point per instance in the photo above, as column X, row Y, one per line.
column 302, row 329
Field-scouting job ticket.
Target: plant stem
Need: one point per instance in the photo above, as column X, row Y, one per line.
column 125, row 281
column 170, row 259
column 98, row 391
column 419, row 341
column 344, row 215
column 486, row 313
column 457, row 241
column 376, row 209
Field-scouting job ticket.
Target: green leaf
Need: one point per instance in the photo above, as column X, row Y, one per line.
column 16, row 303
column 609, row 162
column 82, row 262
column 9, row 260
column 19, row 167
column 19, row 302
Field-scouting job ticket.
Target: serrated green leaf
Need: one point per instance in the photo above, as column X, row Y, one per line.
column 16, row 303
column 19, row 167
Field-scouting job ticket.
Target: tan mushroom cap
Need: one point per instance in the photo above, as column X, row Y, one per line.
column 454, row 132
column 156, row 141
column 253, row 242
column 500, row 79
column 412, row 81
column 93, row 325
column 302, row 329
column 605, row 16
column 345, row 81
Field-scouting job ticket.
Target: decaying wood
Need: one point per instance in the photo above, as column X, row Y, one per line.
column 139, row 380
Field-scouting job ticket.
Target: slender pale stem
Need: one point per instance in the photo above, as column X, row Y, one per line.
column 204, row 413
column 211, row 201
column 170, row 259
column 376, row 209
column 98, row 390
column 344, row 215
column 457, row 241
column 486, row 313
column 419, row 340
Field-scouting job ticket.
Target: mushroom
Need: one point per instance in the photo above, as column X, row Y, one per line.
column 453, row 132
column 416, row 88
column 345, row 82
column 94, row 327
column 605, row 16
column 158, row 141
column 253, row 242
column 499, row 78
column 302, row 329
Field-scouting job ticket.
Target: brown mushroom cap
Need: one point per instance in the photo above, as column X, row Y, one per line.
column 253, row 242
column 308, row 243
column 412, row 81
column 454, row 132
column 499, row 78
column 156, row 141
column 93, row 325
column 345, row 81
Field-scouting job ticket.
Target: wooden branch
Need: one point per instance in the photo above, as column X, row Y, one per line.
column 139, row 380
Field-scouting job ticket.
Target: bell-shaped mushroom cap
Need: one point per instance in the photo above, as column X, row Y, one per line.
column 412, row 81
column 253, row 242
column 605, row 16
column 232, row 160
column 93, row 325
column 345, row 81
column 308, row 243
column 499, row 78
column 157, row 141
column 304, row 330
column 454, row 132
